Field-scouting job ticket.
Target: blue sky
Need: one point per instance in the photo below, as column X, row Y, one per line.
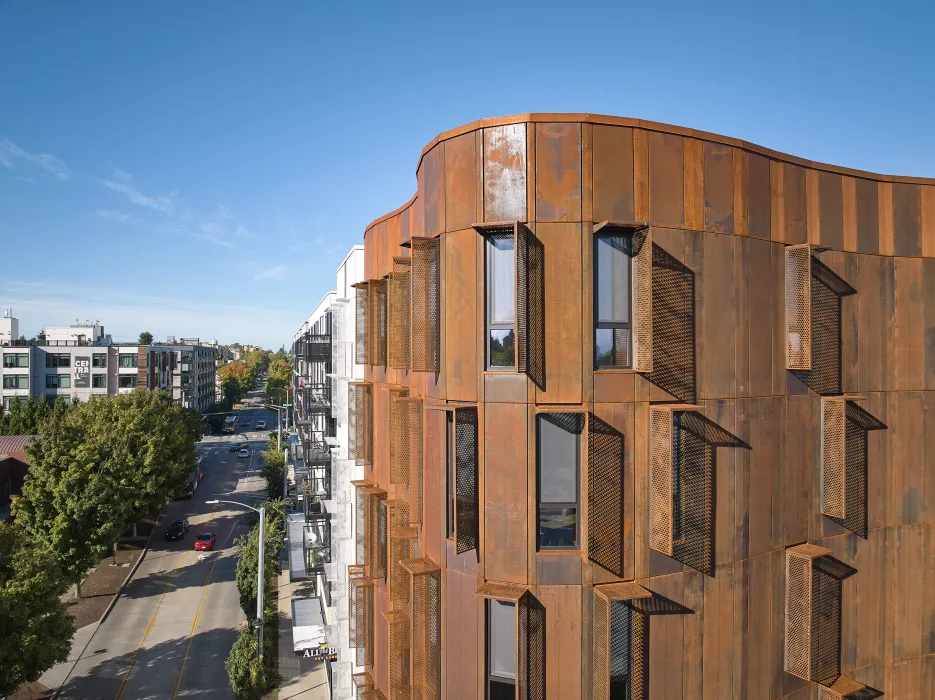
column 200, row 168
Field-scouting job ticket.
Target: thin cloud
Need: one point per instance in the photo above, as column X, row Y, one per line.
column 10, row 154
column 119, row 217
column 277, row 272
column 122, row 182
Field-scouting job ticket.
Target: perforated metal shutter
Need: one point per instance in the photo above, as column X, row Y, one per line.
column 399, row 646
column 605, row 495
column 399, row 313
column 798, row 307
column 467, row 517
column 360, row 523
column 360, row 324
column 352, row 421
column 798, row 615
column 376, row 555
column 660, row 481
column 530, row 303
column 530, row 672
column 833, row 451
column 643, row 296
column 363, row 409
column 406, row 452
column 426, row 629
column 426, row 305
column 377, row 322
column 601, row 649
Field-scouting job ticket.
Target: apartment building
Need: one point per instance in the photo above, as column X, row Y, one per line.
column 81, row 361
column 645, row 413
column 322, row 536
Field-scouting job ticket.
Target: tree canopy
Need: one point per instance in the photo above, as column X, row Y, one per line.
column 236, row 380
column 37, row 629
column 248, row 557
column 98, row 468
column 146, row 338
column 23, row 417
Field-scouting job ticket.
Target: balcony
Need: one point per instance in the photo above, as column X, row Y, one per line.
column 317, row 348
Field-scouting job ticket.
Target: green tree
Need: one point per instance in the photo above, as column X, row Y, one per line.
column 99, row 467
column 37, row 629
column 146, row 338
column 13, row 420
column 247, row 674
column 272, row 469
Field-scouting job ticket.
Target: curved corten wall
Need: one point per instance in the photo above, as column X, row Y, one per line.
column 721, row 213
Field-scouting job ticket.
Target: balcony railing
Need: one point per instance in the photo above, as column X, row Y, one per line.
column 317, row 347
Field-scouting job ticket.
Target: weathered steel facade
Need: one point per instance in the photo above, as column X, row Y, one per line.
column 762, row 476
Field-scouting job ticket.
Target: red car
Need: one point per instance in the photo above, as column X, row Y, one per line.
column 204, row 541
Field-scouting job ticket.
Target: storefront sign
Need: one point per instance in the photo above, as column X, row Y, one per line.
column 82, row 372
column 321, row 653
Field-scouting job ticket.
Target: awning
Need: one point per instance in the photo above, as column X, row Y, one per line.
column 308, row 624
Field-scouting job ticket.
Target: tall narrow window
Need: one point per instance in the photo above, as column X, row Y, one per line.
column 501, row 302
column 559, row 453
column 450, row 473
column 501, row 650
column 613, row 340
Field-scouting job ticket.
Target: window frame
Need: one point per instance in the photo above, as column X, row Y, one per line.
column 579, row 454
column 98, row 357
column 55, row 360
column 11, row 377
column 15, row 356
column 490, row 326
column 96, row 377
column 488, row 647
column 132, row 377
column 135, row 361
column 57, row 382
column 630, row 325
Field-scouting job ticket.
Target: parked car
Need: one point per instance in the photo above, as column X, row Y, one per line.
column 238, row 446
column 177, row 530
column 204, row 542
column 243, row 453
column 261, row 425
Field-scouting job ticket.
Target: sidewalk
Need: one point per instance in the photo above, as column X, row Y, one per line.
column 302, row 679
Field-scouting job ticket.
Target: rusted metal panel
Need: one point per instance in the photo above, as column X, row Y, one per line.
column 505, row 173
column 831, row 210
column 641, row 175
column 666, row 180
column 758, row 196
column 927, row 219
column 461, row 182
column 794, row 204
column 718, row 188
column 432, row 174
column 693, row 183
column 461, row 305
column 558, row 172
column 606, row 496
column 868, row 217
column 530, row 672
column 907, row 228
column 613, row 173
column 505, row 522
column 399, row 310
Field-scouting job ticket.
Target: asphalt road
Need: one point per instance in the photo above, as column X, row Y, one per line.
column 172, row 628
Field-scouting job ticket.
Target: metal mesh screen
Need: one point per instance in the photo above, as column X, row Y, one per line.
column 426, row 635
column 826, row 627
column 376, row 540
column 639, row 655
column 673, row 326
column 399, row 466
column 601, row 649
column 798, row 615
column 399, row 656
column 426, row 305
column 360, row 618
column 399, row 313
column 824, row 376
column 833, row 458
column 379, row 564
column 466, row 502
column 660, row 482
column 855, row 476
column 406, row 452
column 402, row 548
column 693, row 493
column 643, row 296
column 530, row 671
column 362, row 682
column 522, row 296
column 360, row 525
column 798, row 307
column 360, row 335
column 377, row 322
column 620, row 671
column 360, row 422
column 605, row 495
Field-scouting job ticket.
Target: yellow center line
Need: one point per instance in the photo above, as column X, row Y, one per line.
column 149, row 627
column 204, row 594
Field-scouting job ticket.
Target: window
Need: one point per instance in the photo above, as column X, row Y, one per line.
column 501, row 650
column 99, row 359
column 501, row 302
column 16, row 360
column 450, row 473
column 127, row 360
column 98, row 381
column 53, row 360
column 559, row 452
column 16, row 381
column 57, row 381
column 7, row 402
column 126, row 381
column 612, row 301
column 51, row 400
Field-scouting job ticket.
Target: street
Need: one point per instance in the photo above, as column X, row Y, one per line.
column 170, row 631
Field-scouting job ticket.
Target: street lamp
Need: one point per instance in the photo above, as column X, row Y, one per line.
column 259, row 574
column 279, row 410
column 287, row 390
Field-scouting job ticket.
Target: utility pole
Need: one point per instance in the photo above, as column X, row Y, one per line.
column 259, row 583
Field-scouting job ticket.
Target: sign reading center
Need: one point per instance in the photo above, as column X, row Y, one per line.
column 82, row 372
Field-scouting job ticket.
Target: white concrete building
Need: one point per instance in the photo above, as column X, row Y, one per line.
column 324, row 363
